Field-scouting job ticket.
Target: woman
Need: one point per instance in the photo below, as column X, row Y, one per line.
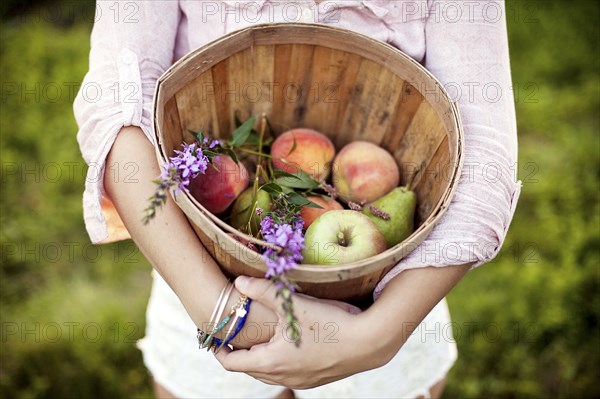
column 463, row 44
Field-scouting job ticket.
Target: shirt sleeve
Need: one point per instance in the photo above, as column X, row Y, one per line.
column 467, row 50
column 132, row 44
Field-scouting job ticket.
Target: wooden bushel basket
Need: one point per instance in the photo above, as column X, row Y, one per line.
column 341, row 83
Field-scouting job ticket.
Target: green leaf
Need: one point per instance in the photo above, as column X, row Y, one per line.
column 254, row 139
column 209, row 153
column 238, row 122
column 199, row 135
column 298, row 200
column 272, row 188
column 283, row 173
column 313, row 204
column 298, row 180
column 240, row 134
column 294, row 144
column 293, row 183
column 231, row 153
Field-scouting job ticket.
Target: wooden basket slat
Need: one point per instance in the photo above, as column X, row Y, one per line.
column 285, row 57
column 432, row 181
column 323, row 100
column 293, row 80
column 343, row 75
column 384, row 101
column 263, row 67
column 169, row 116
column 220, row 74
column 421, row 139
column 374, row 98
column 196, row 106
column 240, row 75
column 410, row 101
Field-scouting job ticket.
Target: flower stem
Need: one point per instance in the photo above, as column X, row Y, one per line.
column 259, row 153
column 263, row 126
column 285, row 290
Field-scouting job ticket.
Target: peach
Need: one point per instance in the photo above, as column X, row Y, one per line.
column 223, row 181
column 309, row 214
column 313, row 153
column 363, row 171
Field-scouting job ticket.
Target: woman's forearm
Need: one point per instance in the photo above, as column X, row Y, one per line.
column 405, row 302
column 168, row 241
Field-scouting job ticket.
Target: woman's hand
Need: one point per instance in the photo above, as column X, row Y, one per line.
column 335, row 342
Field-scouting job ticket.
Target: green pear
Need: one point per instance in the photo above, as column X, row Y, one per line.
column 243, row 213
column 400, row 205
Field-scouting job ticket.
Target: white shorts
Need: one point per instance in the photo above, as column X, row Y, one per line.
column 171, row 354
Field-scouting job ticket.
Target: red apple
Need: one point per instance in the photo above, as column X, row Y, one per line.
column 223, row 181
column 313, row 153
column 327, row 204
column 363, row 171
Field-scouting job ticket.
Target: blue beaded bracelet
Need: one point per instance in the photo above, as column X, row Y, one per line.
column 210, row 338
column 238, row 327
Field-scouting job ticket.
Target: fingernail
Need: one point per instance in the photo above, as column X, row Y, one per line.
column 355, row 310
column 242, row 282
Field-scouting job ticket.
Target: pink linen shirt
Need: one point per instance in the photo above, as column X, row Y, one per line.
column 464, row 44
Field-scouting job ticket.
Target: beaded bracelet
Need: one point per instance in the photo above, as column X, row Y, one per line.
column 242, row 315
column 235, row 309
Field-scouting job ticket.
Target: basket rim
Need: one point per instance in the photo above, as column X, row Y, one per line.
column 367, row 265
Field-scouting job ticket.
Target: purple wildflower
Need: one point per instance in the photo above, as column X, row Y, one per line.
column 329, row 189
column 211, row 143
column 266, row 226
column 354, row 206
column 188, row 163
column 379, row 213
column 177, row 174
column 298, row 224
column 291, row 241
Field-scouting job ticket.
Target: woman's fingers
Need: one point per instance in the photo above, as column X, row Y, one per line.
column 260, row 290
column 243, row 360
column 264, row 291
column 279, row 362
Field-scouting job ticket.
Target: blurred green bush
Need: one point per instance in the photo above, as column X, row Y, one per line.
column 536, row 306
column 526, row 324
column 71, row 312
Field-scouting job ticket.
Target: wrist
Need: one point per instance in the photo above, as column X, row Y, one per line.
column 259, row 327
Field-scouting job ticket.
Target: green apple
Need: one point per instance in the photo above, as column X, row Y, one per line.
column 400, row 205
column 243, row 213
column 341, row 236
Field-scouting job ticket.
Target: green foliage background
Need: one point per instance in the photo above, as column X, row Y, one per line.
column 526, row 324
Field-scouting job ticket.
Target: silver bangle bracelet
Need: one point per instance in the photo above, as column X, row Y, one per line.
column 205, row 338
